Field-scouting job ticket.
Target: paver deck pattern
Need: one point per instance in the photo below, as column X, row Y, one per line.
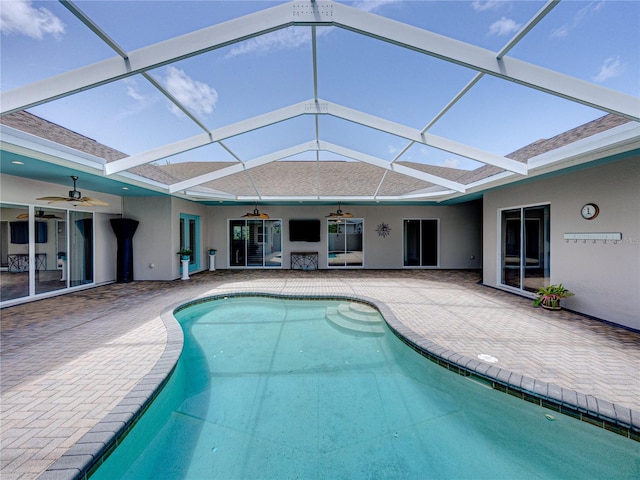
column 67, row 361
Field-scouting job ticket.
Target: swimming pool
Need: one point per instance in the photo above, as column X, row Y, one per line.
column 280, row 388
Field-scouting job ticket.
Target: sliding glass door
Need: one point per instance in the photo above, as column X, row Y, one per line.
column 420, row 242
column 344, row 243
column 44, row 250
column 14, row 251
column 255, row 243
column 80, row 248
column 525, row 247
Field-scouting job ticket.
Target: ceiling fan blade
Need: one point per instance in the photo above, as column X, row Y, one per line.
column 93, row 202
column 55, row 199
column 22, row 216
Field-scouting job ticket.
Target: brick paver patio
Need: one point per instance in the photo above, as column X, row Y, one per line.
column 67, row 361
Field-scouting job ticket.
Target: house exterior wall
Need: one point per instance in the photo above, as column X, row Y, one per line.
column 106, row 246
column 605, row 277
column 157, row 238
column 460, row 222
column 153, row 257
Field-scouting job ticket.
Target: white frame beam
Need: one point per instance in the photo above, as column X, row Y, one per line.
column 428, row 139
column 313, row 146
column 327, row 13
column 203, row 139
column 316, row 108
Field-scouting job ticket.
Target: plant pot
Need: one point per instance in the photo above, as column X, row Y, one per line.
column 186, row 257
column 550, row 307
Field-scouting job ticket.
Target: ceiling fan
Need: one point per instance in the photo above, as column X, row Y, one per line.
column 76, row 197
column 255, row 214
column 39, row 214
column 339, row 214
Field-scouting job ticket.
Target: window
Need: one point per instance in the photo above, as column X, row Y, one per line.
column 420, row 242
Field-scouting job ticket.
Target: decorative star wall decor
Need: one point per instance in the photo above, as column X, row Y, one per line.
column 383, row 230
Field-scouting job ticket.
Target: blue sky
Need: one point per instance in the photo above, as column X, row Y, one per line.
column 597, row 41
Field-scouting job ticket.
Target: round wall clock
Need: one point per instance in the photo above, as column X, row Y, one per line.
column 590, row 211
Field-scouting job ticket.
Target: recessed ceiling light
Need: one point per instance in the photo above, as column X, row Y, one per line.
column 17, row 162
column 125, row 188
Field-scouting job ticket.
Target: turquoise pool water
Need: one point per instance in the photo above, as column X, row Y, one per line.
column 283, row 389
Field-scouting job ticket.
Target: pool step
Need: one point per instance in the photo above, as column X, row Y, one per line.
column 356, row 317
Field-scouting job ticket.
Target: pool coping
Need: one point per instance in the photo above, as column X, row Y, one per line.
column 88, row 453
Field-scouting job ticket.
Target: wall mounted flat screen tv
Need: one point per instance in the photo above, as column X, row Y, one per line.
column 304, row 230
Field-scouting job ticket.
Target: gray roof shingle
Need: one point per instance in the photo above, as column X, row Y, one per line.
column 303, row 178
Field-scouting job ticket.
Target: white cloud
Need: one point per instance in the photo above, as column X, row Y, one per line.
column 393, row 150
column 21, row 18
column 140, row 103
column 560, row 32
column 451, row 162
column 197, row 96
column 563, row 31
column 132, row 90
column 372, row 5
column 293, row 37
column 479, row 6
column 504, row 26
column 286, row 38
column 611, row 68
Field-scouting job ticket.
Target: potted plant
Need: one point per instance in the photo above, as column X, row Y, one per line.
column 549, row 297
column 212, row 251
column 185, row 253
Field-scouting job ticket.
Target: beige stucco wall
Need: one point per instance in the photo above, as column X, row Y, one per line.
column 106, row 246
column 157, row 238
column 605, row 277
column 152, row 244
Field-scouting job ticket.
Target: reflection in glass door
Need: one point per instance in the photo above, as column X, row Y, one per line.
column 344, row 243
column 525, row 251
column 50, row 249
column 14, row 251
column 80, row 255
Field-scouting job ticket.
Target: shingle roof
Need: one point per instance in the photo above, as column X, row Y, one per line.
column 303, row 178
